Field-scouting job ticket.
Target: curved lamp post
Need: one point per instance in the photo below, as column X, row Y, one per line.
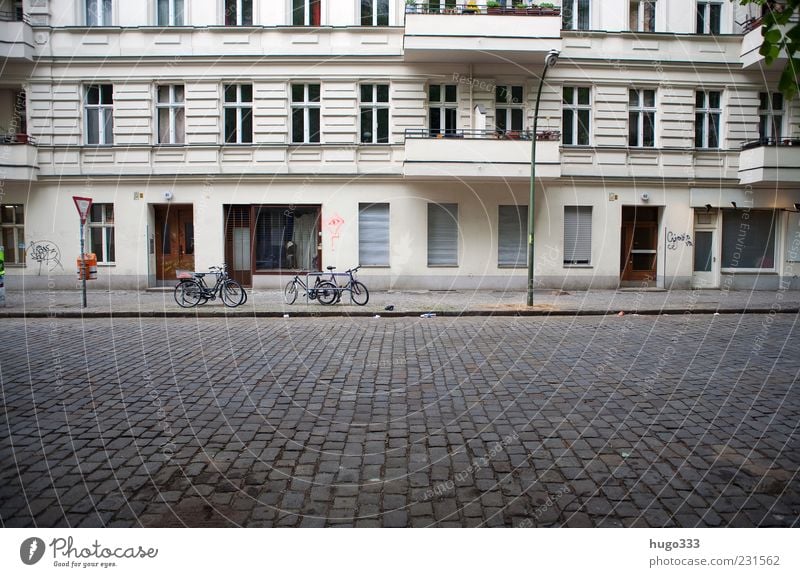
column 550, row 60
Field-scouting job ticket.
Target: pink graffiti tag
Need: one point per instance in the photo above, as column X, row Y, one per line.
column 334, row 224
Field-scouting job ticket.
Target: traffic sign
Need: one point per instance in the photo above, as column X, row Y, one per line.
column 83, row 205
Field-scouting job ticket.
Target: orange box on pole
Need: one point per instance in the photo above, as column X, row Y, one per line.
column 87, row 267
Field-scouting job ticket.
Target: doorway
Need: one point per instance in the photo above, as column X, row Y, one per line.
column 705, row 272
column 639, row 247
column 174, row 240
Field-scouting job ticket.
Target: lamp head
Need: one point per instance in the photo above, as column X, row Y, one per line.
column 551, row 58
column 797, row 206
column 708, row 208
column 733, row 204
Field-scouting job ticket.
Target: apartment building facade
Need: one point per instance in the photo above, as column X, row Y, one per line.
column 287, row 135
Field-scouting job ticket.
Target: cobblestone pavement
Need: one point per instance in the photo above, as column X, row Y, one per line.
column 680, row 420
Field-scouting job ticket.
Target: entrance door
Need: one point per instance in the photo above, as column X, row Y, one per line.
column 639, row 235
column 706, row 266
column 174, row 239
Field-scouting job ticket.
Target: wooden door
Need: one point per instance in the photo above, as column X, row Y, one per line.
column 174, row 239
column 639, row 249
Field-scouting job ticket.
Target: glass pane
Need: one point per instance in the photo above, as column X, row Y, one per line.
column 313, row 125
column 230, row 93
column 566, row 17
column 643, row 262
column 699, row 99
column 450, row 120
column 568, row 95
column 763, row 101
column 450, row 93
column 179, row 93
column 633, row 129
column 297, row 93
column 435, row 120
column 188, row 235
column 383, row 12
column 583, row 127
column 383, row 125
column 230, row 125
column 298, row 125
column 650, row 17
column 96, row 242
column 567, row 123
column 716, row 18
column 748, row 239
column 501, row 122
column 516, row 94
column 110, row 246
column 93, row 94
column 163, row 125
column 96, row 213
column 366, row 93
column 163, row 12
column 649, row 129
column 92, row 13
column 650, row 98
column 313, row 92
column 701, row 18
column 230, row 13
column 178, row 13
column 247, row 125
column 633, row 98
column 180, row 126
column 247, row 92
column 106, row 12
column 109, row 213
column 366, row 125
column 108, row 134
column 383, row 93
column 713, row 99
column 435, row 93
column 500, row 94
column 298, row 12
column 19, row 214
column 699, row 129
column 777, row 102
column 8, row 215
column 703, row 250
column 366, row 12
column 583, row 15
column 713, row 130
column 516, row 119
column 8, row 242
column 92, row 126
column 247, row 12
column 583, row 96
column 163, row 93
column 106, row 94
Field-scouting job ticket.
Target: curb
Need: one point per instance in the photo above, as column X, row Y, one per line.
column 383, row 314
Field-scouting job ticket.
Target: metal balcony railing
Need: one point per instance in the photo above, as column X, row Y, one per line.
column 467, row 8
column 489, row 134
column 771, row 142
column 18, row 138
column 14, row 16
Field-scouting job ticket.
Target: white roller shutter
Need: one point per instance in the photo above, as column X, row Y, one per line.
column 512, row 227
column 373, row 234
column 577, row 234
column 442, row 234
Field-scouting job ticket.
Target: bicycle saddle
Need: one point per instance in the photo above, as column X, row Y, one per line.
column 331, row 267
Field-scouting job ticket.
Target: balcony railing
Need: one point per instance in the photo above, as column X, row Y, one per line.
column 14, row 16
column 18, row 138
column 490, row 134
column 466, row 8
column 771, row 142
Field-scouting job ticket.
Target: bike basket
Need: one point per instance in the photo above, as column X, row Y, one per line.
column 183, row 273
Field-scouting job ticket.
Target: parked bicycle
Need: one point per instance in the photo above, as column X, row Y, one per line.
column 358, row 291
column 324, row 291
column 192, row 289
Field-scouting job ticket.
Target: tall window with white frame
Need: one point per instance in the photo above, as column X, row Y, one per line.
column 442, row 234
column 576, row 115
column 171, row 114
column 373, row 234
column 238, row 12
column 98, row 12
column 12, row 225
column 101, row 232
column 576, row 14
column 374, row 113
column 706, row 118
column 709, row 17
column 643, row 16
column 641, row 117
column 238, row 106
column 307, row 12
column 509, row 109
column 512, row 236
column 99, row 108
column 770, row 117
column 170, row 13
column 442, row 109
column 577, row 235
column 374, row 12
column 306, row 113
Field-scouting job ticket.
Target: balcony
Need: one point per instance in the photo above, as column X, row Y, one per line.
column 751, row 43
column 770, row 162
column 17, row 37
column 18, row 157
column 476, row 33
column 481, row 154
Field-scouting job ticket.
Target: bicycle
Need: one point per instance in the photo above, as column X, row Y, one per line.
column 192, row 291
column 358, row 291
column 323, row 291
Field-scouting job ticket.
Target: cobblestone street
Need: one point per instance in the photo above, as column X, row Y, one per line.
column 673, row 420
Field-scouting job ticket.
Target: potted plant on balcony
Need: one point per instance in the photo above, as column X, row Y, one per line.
column 471, row 8
column 411, row 6
column 520, row 8
column 493, row 7
column 548, row 9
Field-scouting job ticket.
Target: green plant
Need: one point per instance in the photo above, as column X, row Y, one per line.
column 492, row 4
column 411, row 2
column 547, row 5
column 520, row 5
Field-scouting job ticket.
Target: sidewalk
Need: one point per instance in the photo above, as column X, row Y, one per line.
column 269, row 303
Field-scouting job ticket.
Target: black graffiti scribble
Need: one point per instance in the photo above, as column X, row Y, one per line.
column 674, row 239
column 45, row 253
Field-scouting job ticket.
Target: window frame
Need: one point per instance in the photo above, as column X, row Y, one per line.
column 308, row 13
column 171, row 13
column 571, row 12
column 442, row 106
column 576, row 108
column 99, row 109
column 640, row 110
column 18, row 232
column 708, row 113
column 707, row 17
column 374, row 18
column 364, row 207
column 241, row 107
column 105, row 13
column 306, row 105
column 240, row 12
column 774, row 235
column 643, row 24
column 770, row 119
column 107, row 228
column 173, row 107
column 508, row 107
column 374, row 106
column 577, row 263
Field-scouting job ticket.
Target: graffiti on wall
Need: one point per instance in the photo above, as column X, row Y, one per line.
column 45, row 253
column 673, row 240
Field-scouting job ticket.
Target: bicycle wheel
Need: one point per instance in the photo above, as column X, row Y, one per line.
column 290, row 292
column 359, row 293
column 188, row 294
column 232, row 293
column 326, row 293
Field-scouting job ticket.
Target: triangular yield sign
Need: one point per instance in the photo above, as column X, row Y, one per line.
column 83, row 205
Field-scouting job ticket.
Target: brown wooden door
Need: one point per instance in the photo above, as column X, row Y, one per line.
column 639, row 250
column 174, row 239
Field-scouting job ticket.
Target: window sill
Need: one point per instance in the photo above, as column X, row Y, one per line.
column 106, row 264
column 378, row 266
column 442, row 266
column 512, row 266
column 758, row 271
column 566, row 265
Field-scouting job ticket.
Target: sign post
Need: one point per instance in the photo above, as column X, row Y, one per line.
column 2, row 276
column 83, row 205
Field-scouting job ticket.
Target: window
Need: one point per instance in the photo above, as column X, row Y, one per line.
column 373, row 234
column 512, row 235
column 576, row 116
column 19, row 119
column 643, row 16
column 706, row 118
column 375, row 113
column 101, row 232
column 238, row 12
column 305, row 113
column 307, row 12
column 509, row 108
column 748, row 239
column 793, row 237
column 442, row 108
column 238, row 107
column 171, row 114
column 709, row 17
column 286, row 237
column 442, row 234
column 575, row 15
column 770, row 116
column 12, row 223
column 100, row 114
column 641, row 118
column 170, row 13
column 577, row 235
column 98, row 12
column 374, row 12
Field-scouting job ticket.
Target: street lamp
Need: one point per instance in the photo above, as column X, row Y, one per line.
column 550, row 60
